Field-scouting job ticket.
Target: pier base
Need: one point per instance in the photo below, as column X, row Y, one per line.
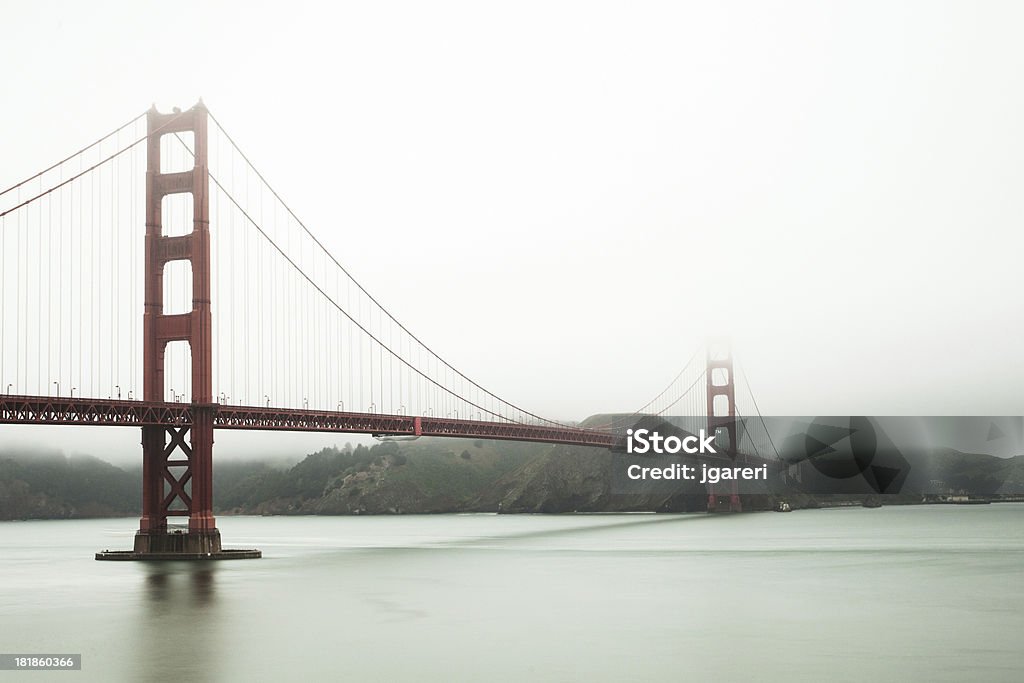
column 178, row 545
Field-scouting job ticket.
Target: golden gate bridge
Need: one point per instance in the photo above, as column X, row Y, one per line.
column 248, row 322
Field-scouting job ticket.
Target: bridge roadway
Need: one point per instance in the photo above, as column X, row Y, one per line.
column 49, row 410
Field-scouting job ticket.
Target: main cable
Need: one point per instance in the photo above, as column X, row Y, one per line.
column 758, row 411
column 91, row 168
column 72, row 156
column 360, row 286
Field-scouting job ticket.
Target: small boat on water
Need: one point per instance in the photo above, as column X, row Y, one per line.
column 783, row 506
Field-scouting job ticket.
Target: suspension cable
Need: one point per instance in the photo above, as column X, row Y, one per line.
column 91, row 168
column 360, row 286
column 72, row 156
column 640, row 411
column 758, row 410
column 336, row 305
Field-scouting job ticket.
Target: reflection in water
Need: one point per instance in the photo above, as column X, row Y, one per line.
column 203, row 587
column 178, row 634
column 190, row 582
column 156, row 585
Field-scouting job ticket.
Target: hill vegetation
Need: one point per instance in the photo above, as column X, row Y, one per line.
column 426, row 476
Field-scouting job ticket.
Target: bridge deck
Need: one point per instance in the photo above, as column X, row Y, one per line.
column 47, row 410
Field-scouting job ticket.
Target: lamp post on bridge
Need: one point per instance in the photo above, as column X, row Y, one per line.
column 58, row 388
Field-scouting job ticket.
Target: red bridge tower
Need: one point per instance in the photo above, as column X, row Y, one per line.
column 721, row 396
column 177, row 478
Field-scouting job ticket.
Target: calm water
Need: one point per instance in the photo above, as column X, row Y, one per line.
column 919, row 593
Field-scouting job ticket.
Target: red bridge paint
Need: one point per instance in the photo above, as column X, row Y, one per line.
column 177, row 438
column 175, row 416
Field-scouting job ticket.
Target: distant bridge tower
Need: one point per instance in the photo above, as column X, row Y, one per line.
column 721, row 414
column 177, row 478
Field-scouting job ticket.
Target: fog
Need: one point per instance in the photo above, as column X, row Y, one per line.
column 566, row 199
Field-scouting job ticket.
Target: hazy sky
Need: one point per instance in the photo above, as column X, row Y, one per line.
column 565, row 199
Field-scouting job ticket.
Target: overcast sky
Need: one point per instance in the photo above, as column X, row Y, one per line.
column 565, row 199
